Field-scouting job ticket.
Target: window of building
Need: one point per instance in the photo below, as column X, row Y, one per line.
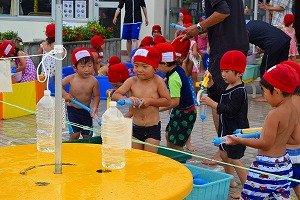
column 72, row 9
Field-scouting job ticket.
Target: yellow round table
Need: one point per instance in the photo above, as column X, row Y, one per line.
column 26, row 173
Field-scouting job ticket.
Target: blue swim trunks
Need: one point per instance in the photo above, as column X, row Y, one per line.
column 260, row 186
column 131, row 31
column 295, row 158
column 82, row 117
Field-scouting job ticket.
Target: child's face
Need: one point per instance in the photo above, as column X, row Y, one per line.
column 85, row 69
column 230, row 76
column 162, row 67
column 155, row 33
column 143, row 70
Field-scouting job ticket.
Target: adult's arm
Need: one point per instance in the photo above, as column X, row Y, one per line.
column 271, row 7
column 118, row 10
column 221, row 13
column 146, row 15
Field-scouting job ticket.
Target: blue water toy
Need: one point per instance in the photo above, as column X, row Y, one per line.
column 87, row 109
column 176, row 26
column 14, row 69
column 248, row 130
column 219, row 140
column 199, row 181
column 127, row 102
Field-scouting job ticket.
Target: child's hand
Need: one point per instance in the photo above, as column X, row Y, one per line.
column 145, row 102
column 68, row 97
column 94, row 112
column 232, row 140
column 136, row 102
column 208, row 101
column 210, row 81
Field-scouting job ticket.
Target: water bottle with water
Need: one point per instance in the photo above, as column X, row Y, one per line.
column 112, row 132
column 45, row 120
column 203, row 109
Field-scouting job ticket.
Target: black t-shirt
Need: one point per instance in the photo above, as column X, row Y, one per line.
column 233, row 110
column 231, row 33
column 132, row 10
column 265, row 36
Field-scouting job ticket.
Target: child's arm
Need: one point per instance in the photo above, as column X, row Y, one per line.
column 96, row 96
column 22, row 66
column 267, row 138
column 173, row 103
column 164, row 99
column 65, row 82
column 195, row 50
column 122, row 90
column 295, row 137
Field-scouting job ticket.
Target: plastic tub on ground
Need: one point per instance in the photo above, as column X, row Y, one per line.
column 217, row 187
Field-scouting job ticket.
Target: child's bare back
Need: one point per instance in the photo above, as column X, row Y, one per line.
column 281, row 122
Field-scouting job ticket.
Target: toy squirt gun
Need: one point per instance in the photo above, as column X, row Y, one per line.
column 242, row 133
column 201, row 93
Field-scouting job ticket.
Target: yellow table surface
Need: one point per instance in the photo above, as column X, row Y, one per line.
column 146, row 175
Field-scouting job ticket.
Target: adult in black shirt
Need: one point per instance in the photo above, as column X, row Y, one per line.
column 274, row 42
column 132, row 21
column 225, row 26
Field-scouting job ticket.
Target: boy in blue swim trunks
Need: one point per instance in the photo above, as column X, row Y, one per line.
column 294, row 150
column 278, row 85
column 148, row 92
column 83, row 87
column 132, row 22
column 183, row 114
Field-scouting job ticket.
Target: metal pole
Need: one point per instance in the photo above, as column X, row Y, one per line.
column 58, row 90
column 168, row 19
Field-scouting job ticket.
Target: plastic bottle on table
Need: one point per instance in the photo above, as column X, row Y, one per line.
column 112, row 132
column 45, row 120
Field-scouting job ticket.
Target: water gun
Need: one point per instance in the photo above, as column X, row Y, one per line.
column 108, row 99
column 219, row 140
column 176, row 26
column 203, row 87
column 127, row 102
column 87, row 109
column 248, row 130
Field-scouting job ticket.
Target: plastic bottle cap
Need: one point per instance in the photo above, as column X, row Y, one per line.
column 112, row 104
column 47, row 92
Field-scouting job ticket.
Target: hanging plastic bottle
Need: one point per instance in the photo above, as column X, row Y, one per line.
column 45, row 120
column 113, row 138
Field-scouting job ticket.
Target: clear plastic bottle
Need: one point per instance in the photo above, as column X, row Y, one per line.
column 45, row 120
column 112, row 132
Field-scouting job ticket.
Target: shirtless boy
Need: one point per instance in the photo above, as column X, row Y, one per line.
column 148, row 92
column 83, row 87
column 278, row 84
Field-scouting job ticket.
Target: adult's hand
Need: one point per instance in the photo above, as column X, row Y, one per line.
column 146, row 22
column 115, row 21
column 191, row 31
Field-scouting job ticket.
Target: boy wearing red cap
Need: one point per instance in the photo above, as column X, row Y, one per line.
column 294, row 150
column 97, row 44
column 45, row 47
column 146, row 120
column 290, row 31
column 183, row 114
column 279, row 129
column 83, row 87
column 156, row 30
column 232, row 109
